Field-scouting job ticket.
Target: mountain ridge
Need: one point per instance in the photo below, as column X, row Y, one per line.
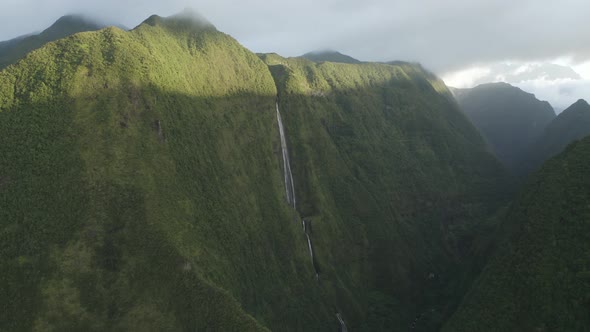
column 509, row 118
column 330, row 56
column 570, row 125
column 15, row 49
column 149, row 162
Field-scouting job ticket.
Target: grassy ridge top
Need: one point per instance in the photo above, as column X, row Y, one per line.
column 302, row 75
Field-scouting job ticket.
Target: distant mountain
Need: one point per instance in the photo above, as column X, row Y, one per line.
column 15, row 49
column 570, row 125
column 509, row 119
column 329, row 56
column 539, row 280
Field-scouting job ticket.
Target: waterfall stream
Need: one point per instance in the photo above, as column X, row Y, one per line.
column 289, row 187
column 290, row 196
column 307, row 230
column 342, row 324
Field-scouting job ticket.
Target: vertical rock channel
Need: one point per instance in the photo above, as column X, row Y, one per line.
column 289, row 187
column 290, row 196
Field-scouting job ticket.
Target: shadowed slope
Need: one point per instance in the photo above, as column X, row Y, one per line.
column 539, row 279
column 509, row 119
column 391, row 172
column 570, row 125
column 140, row 183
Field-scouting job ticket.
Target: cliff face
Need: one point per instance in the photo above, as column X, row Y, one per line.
column 142, row 186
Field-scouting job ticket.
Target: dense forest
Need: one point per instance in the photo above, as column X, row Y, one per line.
column 145, row 186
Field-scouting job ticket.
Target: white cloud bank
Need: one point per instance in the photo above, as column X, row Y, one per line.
column 560, row 82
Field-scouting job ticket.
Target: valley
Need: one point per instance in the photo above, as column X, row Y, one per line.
column 167, row 178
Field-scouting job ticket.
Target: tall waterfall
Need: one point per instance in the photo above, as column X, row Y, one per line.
column 307, row 230
column 342, row 324
column 290, row 195
column 289, row 187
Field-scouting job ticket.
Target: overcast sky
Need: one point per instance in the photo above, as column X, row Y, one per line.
column 445, row 36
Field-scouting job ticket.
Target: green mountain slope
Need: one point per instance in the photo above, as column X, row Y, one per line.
column 329, row 56
column 141, row 185
column 15, row 49
column 509, row 119
column 386, row 166
column 570, row 125
column 540, row 278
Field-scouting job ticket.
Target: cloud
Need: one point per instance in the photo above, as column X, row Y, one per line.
column 443, row 35
column 512, row 73
column 560, row 84
column 560, row 93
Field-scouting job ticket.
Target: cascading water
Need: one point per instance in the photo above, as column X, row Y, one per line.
column 289, row 187
column 290, row 195
column 342, row 324
column 289, row 184
column 307, row 230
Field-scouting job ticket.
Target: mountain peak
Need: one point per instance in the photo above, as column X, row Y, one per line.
column 580, row 106
column 15, row 49
column 73, row 19
column 187, row 18
column 509, row 118
column 581, row 102
column 329, row 56
column 69, row 24
column 190, row 14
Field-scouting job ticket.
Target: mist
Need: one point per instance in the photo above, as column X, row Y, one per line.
column 444, row 36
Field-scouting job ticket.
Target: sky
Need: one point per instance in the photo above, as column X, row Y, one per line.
column 464, row 41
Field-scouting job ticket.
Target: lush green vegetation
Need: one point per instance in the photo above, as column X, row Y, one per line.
column 509, row 119
column 540, row 278
column 570, row 125
column 141, row 188
column 394, row 176
column 139, row 183
column 15, row 49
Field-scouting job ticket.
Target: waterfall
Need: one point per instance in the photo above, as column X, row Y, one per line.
column 342, row 324
column 290, row 195
column 310, row 247
column 289, row 187
column 307, row 231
